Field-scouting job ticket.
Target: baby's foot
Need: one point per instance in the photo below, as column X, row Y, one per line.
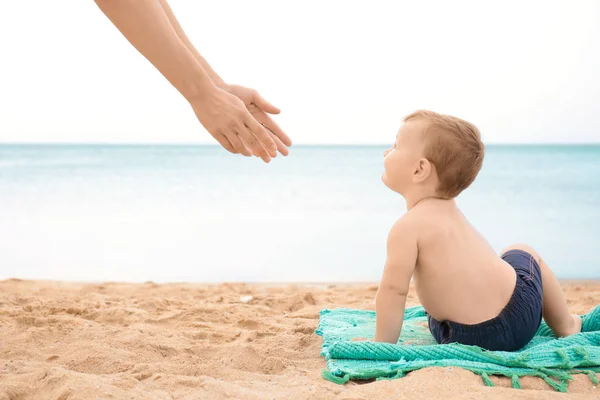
column 569, row 327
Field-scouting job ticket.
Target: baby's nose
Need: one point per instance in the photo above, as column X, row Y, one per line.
column 385, row 153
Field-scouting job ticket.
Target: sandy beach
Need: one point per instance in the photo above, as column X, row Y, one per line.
column 185, row 341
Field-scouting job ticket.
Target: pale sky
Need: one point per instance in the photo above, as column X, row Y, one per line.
column 341, row 71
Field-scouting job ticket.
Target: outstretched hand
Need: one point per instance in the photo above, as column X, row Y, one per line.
column 237, row 118
column 234, row 115
column 260, row 108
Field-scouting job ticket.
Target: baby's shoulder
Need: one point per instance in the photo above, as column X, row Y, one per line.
column 426, row 222
column 407, row 226
column 421, row 217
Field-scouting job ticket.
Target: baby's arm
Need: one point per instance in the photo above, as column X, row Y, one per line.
column 393, row 289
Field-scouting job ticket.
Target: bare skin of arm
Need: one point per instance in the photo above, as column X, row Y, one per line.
column 145, row 24
column 256, row 105
column 390, row 301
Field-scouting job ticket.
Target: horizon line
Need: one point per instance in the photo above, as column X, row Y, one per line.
column 190, row 144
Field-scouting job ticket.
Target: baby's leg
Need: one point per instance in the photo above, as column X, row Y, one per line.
column 556, row 312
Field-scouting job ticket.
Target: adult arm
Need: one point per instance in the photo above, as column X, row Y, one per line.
column 146, row 26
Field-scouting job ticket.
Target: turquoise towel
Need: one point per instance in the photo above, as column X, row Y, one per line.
column 552, row 359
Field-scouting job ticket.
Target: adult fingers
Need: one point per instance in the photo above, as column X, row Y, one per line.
column 263, row 138
column 252, row 143
column 260, row 132
column 223, row 141
column 264, row 105
column 238, row 144
column 282, row 148
column 268, row 123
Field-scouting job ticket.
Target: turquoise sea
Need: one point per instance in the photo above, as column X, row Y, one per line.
column 197, row 213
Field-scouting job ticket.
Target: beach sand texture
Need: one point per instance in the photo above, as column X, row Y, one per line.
column 63, row 341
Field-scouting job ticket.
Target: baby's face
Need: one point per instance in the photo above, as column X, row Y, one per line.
column 399, row 160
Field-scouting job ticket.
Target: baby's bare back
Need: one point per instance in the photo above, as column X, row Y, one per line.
column 458, row 275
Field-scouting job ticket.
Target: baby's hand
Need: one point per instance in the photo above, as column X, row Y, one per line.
column 359, row 339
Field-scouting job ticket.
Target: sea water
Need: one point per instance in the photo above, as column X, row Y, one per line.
column 197, row 213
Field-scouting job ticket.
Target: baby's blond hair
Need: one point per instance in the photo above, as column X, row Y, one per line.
column 454, row 147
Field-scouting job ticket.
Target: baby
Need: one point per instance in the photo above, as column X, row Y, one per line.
column 472, row 296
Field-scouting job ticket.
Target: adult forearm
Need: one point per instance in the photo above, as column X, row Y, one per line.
column 146, row 26
column 217, row 80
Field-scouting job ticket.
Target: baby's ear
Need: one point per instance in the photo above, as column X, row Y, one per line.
column 422, row 170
